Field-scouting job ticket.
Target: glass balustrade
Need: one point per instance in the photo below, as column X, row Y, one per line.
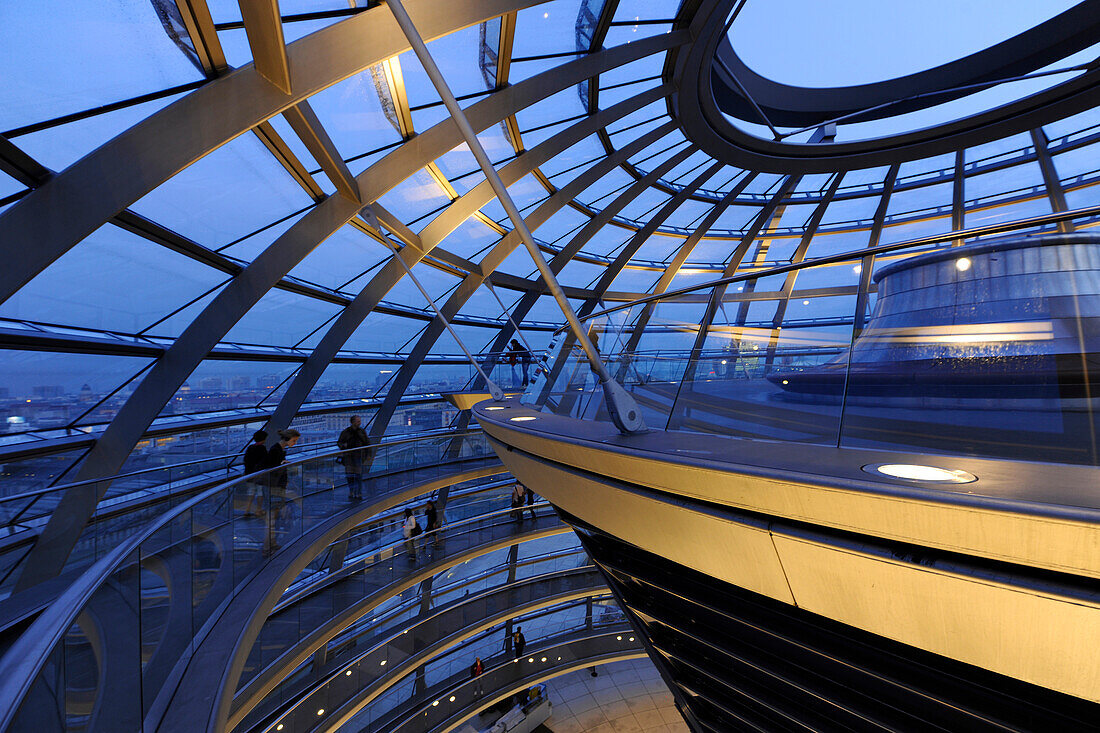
column 425, row 616
column 379, row 573
column 105, row 649
column 546, row 630
column 987, row 349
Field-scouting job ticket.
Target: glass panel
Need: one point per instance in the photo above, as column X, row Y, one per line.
column 52, row 389
column 101, row 53
column 228, row 194
column 112, row 280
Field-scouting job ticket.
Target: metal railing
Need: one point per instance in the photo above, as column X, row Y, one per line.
column 144, row 600
column 134, row 499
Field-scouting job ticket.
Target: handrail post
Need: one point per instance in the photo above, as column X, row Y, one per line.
column 621, row 406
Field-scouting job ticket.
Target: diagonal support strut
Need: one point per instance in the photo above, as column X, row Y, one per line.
column 621, row 406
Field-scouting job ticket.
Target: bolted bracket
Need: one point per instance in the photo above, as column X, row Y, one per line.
column 623, row 409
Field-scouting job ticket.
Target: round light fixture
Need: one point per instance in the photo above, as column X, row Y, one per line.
column 928, row 474
column 962, row 264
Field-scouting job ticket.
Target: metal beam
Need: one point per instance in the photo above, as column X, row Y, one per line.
column 958, row 194
column 624, row 412
column 1055, row 193
column 582, row 237
column 862, row 292
column 761, row 222
column 680, row 258
column 63, row 211
column 161, row 382
column 504, row 102
column 798, row 256
column 650, row 227
column 264, row 27
column 204, row 37
column 309, row 130
column 275, row 144
column 492, row 260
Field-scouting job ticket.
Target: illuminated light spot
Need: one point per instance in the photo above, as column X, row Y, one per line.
column 530, row 659
column 913, row 472
column 434, row 703
column 348, row 673
column 962, row 264
column 546, row 15
column 619, row 638
column 494, row 408
column 805, row 302
column 544, row 659
column 785, row 382
column 383, row 664
column 523, row 418
column 279, row 726
column 631, row 638
column 857, row 269
column 320, row 711
column 452, row 698
column 559, row 659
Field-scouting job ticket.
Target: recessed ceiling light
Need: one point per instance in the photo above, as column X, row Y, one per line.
column 912, row 472
column 494, row 408
column 962, row 264
column 523, row 418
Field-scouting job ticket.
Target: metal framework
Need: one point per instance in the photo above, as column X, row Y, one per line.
column 623, row 148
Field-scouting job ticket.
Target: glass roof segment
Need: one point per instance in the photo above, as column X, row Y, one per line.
column 858, row 41
column 96, row 54
column 235, row 190
column 59, row 146
column 115, row 281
